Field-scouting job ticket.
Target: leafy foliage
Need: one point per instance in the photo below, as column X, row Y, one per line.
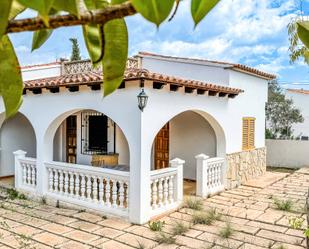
column 280, row 113
column 193, row 203
column 179, row 228
column 164, row 238
column 284, row 205
column 206, row 218
column 298, row 49
column 296, row 222
column 107, row 43
column 226, row 231
column 75, row 54
column 156, row 225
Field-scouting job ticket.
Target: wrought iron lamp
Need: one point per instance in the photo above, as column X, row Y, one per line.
column 142, row 98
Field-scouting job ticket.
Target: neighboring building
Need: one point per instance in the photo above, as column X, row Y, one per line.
column 300, row 98
column 105, row 154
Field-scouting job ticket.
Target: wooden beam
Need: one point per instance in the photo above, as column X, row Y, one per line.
column 174, row 88
column 200, row 91
column 54, row 89
column 189, row 89
column 157, row 85
column 95, row 87
column 73, row 88
column 122, row 85
column 212, row 93
column 232, row 95
column 36, row 90
column 222, row 94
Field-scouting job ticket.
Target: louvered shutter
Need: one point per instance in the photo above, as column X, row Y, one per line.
column 248, row 133
column 245, row 133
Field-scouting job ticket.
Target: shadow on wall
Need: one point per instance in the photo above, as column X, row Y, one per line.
column 16, row 133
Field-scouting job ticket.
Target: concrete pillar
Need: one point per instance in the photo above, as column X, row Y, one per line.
column 201, row 175
column 178, row 163
column 19, row 154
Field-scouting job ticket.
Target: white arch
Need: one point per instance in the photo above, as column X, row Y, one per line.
column 219, row 132
column 53, row 126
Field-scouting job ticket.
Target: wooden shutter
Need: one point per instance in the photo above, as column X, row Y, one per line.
column 248, row 133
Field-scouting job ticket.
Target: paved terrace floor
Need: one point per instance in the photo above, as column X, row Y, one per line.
column 249, row 209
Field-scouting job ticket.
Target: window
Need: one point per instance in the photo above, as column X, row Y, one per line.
column 94, row 133
column 248, row 133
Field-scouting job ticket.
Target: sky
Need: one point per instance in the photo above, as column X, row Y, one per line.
column 250, row 32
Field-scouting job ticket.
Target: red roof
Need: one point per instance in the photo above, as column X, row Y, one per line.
column 234, row 66
column 89, row 78
column 302, row 91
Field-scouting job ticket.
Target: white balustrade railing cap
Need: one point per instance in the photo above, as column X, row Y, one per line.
column 19, row 153
column 86, row 169
column 202, row 156
column 177, row 161
column 215, row 159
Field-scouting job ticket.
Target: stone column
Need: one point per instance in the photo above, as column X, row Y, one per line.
column 201, row 175
column 19, row 154
column 178, row 163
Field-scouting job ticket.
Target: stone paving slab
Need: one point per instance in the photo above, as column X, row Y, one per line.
column 249, row 210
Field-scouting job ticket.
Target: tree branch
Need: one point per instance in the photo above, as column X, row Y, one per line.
column 97, row 16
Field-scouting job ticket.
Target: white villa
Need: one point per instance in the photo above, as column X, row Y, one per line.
column 204, row 121
column 300, row 99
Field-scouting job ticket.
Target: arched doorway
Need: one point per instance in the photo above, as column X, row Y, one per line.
column 16, row 133
column 185, row 136
column 89, row 137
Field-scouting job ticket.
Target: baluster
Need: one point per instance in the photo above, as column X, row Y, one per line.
column 101, row 190
column 220, row 174
column 89, row 188
column 171, row 190
column 71, row 183
column 121, row 194
column 56, row 183
column 154, row 194
column 28, row 174
column 165, row 190
column 114, row 191
column 77, row 186
column 51, row 180
column 160, row 193
column 61, row 182
column 24, row 174
column 107, row 193
column 83, row 187
column 127, row 192
column 66, row 182
column 33, row 180
column 95, row 189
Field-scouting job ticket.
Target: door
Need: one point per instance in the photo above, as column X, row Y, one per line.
column 161, row 153
column 71, row 139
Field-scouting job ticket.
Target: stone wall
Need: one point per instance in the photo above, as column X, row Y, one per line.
column 245, row 165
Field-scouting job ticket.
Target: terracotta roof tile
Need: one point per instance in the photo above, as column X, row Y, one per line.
column 235, row 66
column 88, row 78
column 302, row 91
column 41, row 65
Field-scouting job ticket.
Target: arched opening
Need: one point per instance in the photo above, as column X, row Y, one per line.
column 89, row 137
column 185, row 136
column 16, row 133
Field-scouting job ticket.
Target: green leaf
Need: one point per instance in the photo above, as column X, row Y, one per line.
column 200, row 8
column 11, row 84
column 42, row 6
column 155, row 11
column 70, row 6
column 16, row 9
column 40, row 37
column 93, row 41
column 95, row 4
column 115, row 54
column 4, row 15
column 303, row 32
column 117, row 1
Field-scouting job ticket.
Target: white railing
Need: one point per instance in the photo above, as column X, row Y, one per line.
column 25, row 171
column 210, row 173
column 96, row 188
column 166, row 187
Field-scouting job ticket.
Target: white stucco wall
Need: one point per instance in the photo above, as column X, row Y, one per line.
column 287, row 153
column 301, row 101
column 194, row 71
column 191, row 135
column 249, row 104
column 15, row 134
column 37, row 72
